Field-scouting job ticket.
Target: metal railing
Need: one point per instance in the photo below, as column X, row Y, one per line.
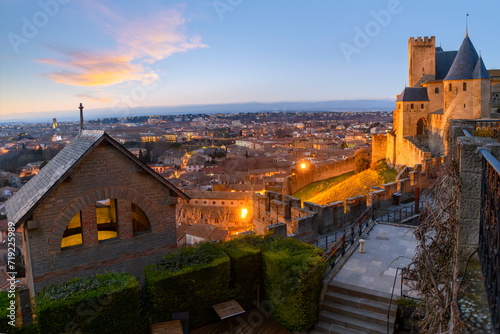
column 396, row 216
column 489, row 233
column 346, row 240
column 327, row 241
column 404, row 278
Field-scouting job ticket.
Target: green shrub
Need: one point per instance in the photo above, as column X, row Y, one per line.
column 246, row 270
column 100, row 304
column 4, row 304
column 293, row 275
column 190, row 279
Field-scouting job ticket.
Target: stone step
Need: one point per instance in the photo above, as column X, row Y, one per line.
column 363, row 326
column 355, row 313
column 357, row 291
column 325, row 327
column 361, row 303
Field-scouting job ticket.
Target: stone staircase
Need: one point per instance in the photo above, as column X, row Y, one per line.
column 349, row 309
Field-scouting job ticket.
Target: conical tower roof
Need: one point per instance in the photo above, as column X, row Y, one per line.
column 480, row 71
column 465, row 62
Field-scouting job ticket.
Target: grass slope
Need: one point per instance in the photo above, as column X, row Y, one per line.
column 315, row 188
column 358, row 184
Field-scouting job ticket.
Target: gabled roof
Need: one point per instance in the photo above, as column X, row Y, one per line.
column 25, row 201
column 464, row 63
column 480, row 71
column 411, row 94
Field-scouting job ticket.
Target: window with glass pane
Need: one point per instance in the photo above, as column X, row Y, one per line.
column 106, row 217
column 73, row 234
column 140, row 221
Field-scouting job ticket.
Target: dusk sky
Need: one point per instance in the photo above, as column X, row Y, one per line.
column 55, row 54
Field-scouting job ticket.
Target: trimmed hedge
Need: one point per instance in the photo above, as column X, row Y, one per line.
column 190, row 279
column 4, row 304
column 293, row 274
column 100, row 304
column 246, row 271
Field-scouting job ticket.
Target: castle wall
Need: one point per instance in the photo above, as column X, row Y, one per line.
column 435, row 134
column 318, row 173
column 409, row 154
column 305, row 221
column 391, row 149
column 458, row 103
column 379, row 147
column 481, row 96
column 436, row 100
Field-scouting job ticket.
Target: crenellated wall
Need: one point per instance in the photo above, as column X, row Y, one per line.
column 306, row 220
column 318, row 173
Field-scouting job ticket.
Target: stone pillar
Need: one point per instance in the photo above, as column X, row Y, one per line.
column 89, row 226
column 470, row 188
column 125, row 227
column 458, row 125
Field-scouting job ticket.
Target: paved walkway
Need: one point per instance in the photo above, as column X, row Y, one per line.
column 376, row 268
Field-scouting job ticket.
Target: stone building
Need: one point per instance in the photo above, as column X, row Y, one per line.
column 444, row 85
column 94, row 207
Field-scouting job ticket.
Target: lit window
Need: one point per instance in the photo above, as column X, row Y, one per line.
column 107, row 227
column 140, row 221
column 73, row 234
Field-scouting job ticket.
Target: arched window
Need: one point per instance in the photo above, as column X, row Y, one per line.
column 73, row 234
column 465, row 86
column 436, row 90
column 106, row 218
column 412, row 106
column 449, row 87
column 422, row 106
column 140, row 221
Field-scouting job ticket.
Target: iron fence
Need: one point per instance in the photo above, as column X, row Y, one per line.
column 346, row 240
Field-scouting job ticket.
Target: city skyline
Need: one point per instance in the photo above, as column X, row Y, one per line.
column 115, row 55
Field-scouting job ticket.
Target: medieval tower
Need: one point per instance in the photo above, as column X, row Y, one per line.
column 444, row 85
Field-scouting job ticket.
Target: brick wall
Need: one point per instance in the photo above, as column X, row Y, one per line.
column 105, row 173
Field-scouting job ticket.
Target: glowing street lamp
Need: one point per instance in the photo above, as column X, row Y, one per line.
column 303, row 165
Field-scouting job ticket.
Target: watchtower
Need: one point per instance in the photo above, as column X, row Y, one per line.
column 422, row 60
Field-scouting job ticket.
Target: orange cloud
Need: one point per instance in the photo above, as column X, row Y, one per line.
column 140, row 42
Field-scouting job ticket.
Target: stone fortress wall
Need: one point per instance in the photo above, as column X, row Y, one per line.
column 305, row 220
column 318, row 173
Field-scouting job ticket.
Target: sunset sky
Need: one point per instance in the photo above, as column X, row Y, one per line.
column 55, row 54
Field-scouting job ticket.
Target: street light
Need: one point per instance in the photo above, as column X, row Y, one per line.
column 303, row 165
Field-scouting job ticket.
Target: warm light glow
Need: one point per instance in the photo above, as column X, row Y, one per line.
column 303, row 166
column 244, row 213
